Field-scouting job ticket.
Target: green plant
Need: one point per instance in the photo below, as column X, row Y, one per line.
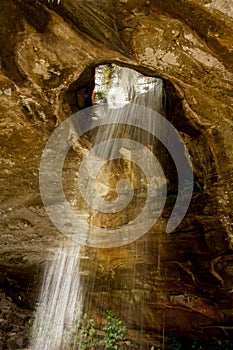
column 87, row 334
column 197, row 345
column 115, row 332
column 173, row 343
column 108, row 74
column 100, row 95
column 197, row 187
column 82, row 335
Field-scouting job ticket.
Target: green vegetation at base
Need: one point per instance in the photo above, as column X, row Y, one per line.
column 84, row 335
column 115, row 332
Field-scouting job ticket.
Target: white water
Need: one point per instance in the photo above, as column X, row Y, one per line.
column 125, row 85
column 61, row 292
column 59, row 301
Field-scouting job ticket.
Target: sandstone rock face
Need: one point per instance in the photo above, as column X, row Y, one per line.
column 179, row 283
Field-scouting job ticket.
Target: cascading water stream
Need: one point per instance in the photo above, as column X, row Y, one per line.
column 63, row 294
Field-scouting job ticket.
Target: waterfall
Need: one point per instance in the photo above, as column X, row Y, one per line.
column 63, row 295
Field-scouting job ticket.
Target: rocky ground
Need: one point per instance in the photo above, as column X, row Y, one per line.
column 14, row 324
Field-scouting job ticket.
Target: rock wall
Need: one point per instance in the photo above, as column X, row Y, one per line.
column 48, row 52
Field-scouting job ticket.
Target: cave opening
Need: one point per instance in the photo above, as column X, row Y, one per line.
column 91, row 89
column 83, row 93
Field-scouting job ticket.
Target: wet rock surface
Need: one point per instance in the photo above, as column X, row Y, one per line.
column 14, row 324
column 45, row 48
